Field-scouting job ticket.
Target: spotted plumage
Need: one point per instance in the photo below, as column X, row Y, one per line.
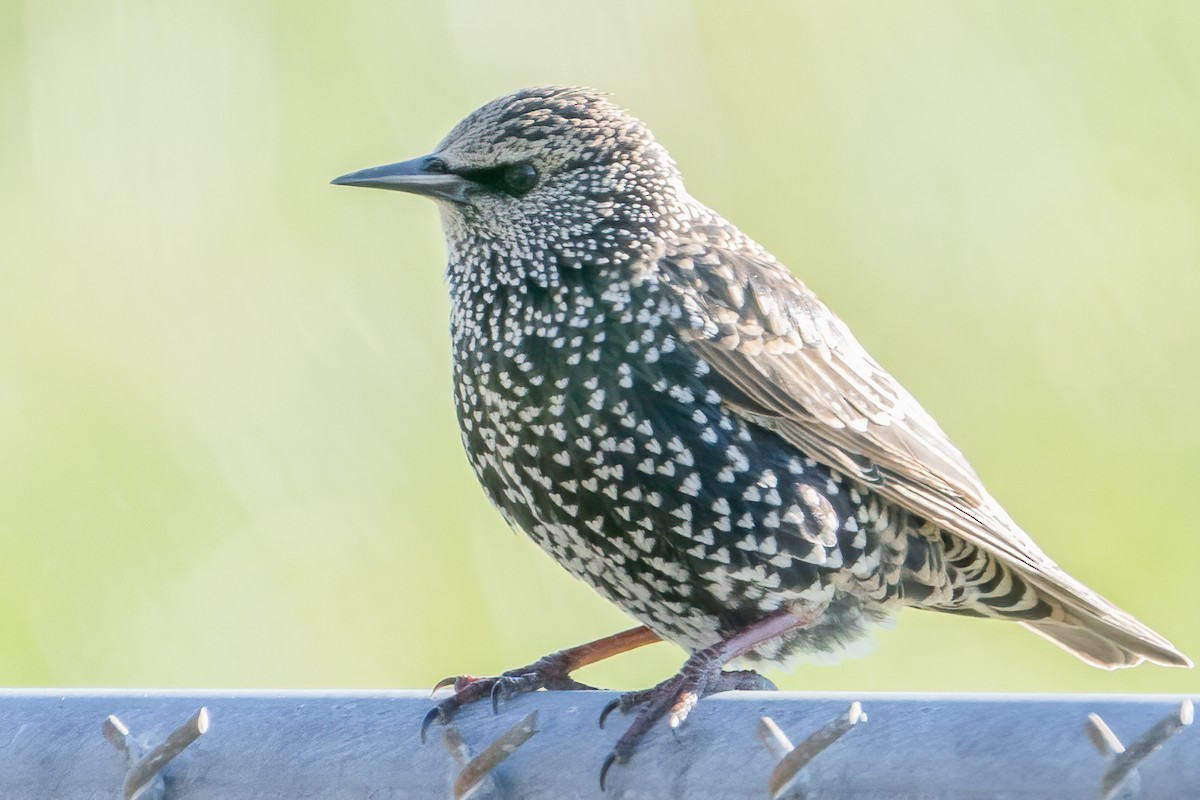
column 682, row 424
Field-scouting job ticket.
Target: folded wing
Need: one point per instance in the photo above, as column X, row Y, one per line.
column 789, row 364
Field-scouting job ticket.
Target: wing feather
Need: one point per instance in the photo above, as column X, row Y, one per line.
column 790, row 365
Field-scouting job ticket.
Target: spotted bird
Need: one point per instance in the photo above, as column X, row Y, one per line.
column 680, row 423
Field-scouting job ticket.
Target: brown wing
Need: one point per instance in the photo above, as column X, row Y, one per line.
column 794, row 367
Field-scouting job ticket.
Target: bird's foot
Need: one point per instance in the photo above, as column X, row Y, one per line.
column 674, row 698
column 549, row 672
column 701, row 674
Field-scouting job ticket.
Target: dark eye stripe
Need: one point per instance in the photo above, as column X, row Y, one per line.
column 512, row 179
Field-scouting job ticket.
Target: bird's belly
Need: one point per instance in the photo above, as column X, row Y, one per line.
column 694, row 540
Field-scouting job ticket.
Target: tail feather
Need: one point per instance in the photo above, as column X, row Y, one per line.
column 1108, row 650
column 1052, row 604
column 1100, row 633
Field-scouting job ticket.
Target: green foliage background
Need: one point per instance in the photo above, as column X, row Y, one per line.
column 227, row 450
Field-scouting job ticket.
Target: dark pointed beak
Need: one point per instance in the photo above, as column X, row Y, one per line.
column 413, row 177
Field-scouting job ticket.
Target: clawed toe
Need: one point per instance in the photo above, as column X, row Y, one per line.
column 609, row 760
column 609, row 707
column 434, row 715
column 467, row 689
column 510, row 684
column 551, row 672
column 673, row 698
column 459, row 682
column 738, row 680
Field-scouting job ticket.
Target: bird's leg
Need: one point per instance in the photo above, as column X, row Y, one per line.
column 549, row 672
column 701, row 674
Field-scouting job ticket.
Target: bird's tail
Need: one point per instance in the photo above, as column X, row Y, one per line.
column 1070, row 614
column 1100, row 633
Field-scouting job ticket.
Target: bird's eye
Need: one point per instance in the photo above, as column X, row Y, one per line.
column 520, row 178
column 514, row 180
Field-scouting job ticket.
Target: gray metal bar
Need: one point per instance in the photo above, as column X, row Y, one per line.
column 326, row 745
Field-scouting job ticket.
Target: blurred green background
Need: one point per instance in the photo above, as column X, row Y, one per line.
column 228, row 455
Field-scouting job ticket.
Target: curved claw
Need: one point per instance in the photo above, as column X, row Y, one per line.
column 609, row 707
column 443, row 683
column 434, row 714
column 498, row 689
column 609, row 760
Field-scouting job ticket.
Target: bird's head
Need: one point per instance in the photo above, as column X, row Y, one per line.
column 542, row 180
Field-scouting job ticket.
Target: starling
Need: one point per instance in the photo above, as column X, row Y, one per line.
column 680, row 422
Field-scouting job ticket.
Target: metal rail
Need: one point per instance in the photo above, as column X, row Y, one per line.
column 193, row 745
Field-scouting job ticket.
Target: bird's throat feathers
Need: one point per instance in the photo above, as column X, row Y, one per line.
column 605, row 241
